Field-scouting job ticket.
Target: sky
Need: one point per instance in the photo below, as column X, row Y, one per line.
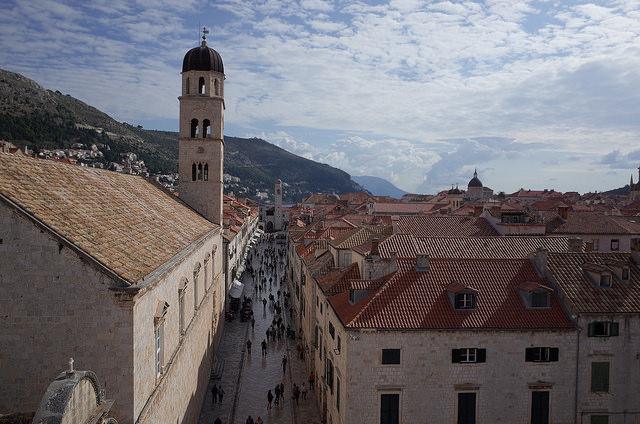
column 534, row 94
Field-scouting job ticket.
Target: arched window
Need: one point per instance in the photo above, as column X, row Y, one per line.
column 201, row 85
column 199, row 172
column 206, row 128
column 216, row 87
column 194, row 128
column 193, row 172
column 188, row 86
column 206, row 172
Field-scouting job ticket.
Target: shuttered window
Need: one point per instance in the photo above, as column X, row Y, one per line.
column 541, row 354
column 603, row 329
column 468, row 355
column 600, row 377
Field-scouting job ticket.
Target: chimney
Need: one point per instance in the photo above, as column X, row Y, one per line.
column 422, row 262
column 540, row 261
column 375, row 243
column 563, row 211
column 575, row 244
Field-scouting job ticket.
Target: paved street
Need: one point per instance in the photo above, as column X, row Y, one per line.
column 247, row 377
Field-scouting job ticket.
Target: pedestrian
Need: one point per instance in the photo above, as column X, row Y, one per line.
column 304, row 390
column 249, row 346
column 259, row 420
column 264, row 347
column 282, row 390
column 217, row 421
column 264, row 303
column 296, row 393
column 214, row 393
column 269, row 400
column 249, row 420
column 253, row 323
column 312, row 379
column 220, row 394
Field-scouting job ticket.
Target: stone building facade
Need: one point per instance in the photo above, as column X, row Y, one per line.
column 115, row 272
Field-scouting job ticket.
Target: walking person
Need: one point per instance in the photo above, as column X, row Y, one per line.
column 264, row 347
column 296, row 393
column 269, row 400
column 214, row 393
column 304, row 391
column 217, row 421
column 278, row 394
column 312, row 380
column 249, row 346
column 220, row 394
column 249, row 420
column 284, row 363
column 253, row 323
column 259, row 420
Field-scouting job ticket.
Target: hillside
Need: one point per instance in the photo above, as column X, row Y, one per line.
column 43, row 119
column 379, row 186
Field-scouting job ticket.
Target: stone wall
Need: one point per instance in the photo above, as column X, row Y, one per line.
column 56, row 305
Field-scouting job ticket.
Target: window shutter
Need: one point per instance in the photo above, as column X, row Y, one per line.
column 591, row 331
column 455, row 356
column 481, row 355
column 529, row 354
column 554, row 354
column 615, row 329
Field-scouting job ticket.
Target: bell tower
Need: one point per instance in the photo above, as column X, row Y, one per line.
column 201, row 138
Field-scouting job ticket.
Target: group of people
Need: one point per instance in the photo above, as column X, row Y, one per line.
column 269, row 288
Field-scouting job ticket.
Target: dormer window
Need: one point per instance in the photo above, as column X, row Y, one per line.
column 626, row 274
column 605, row 280
column 540, row 299
column 465, row 300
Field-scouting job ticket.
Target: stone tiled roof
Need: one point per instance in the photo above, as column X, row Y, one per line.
column 360, row 236
column 445, row 226
column 582, row 295
column 129, row 225
column 598, row 223
column 407, row 246
column 337, row 280
column 419, row 300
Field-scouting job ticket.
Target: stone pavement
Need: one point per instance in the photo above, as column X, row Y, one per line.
column 247, row 377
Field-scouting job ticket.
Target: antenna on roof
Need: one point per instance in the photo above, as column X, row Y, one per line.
column 205, row 31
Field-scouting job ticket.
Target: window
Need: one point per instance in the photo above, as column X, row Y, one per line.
column 466, row 408
column 339, row 344
column 320, row 307
column 600, row 377
column 338, row 393
column 315, row 337
column 181, row 292
column 626, row 275
column 540, row 299
column 596, row 245
column 194, row 128
column 194, row 172
column 540, row 407
column 206, row 128
column 201, row 86
column 320, row 346
column 615, row 245
column 541, row 354
column 465, row 301
column 195, row 290
column 468, row 355
column 159, row 337
column 390, row 408
column 328, row 373
column 603, row 329
column 187, row 87
column 206, row 274
column 390, row 356
column 599, row 419
column 206, row 172
column 332, row 331
column 216, row 87
column 199, row 172
column 605, row 280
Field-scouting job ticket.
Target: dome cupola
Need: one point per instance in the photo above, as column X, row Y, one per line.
column 202, row 58
column 475, row 181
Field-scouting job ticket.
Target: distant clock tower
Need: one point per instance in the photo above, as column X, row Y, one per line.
column 201, row 139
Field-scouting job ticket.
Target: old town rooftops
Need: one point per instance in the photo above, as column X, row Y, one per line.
column 512, row 247
column 445, row 226
column 125, row 223
column 570, row 272
column 410, row 299
column 598, row 223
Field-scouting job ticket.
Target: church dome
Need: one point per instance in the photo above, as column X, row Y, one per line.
column 202, row 58
column 475, row 181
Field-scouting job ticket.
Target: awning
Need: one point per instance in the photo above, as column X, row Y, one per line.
column 236, row 289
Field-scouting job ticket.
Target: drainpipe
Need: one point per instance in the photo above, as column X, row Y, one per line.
column 575, row 399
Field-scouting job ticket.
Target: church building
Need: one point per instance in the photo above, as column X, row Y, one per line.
column 119, row 274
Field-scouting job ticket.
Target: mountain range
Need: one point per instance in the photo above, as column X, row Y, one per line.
column 33, row 116
column 379, row 186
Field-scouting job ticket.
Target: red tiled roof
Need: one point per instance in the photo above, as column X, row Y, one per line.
column 337, row 280
column 598, row 223
column 359, row 236
column 401, row 208
column 445, row 226
column 582, row 295
column 419, row 300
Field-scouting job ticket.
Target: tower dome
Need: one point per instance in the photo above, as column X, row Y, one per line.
column 475, row 181
column 202, row 58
